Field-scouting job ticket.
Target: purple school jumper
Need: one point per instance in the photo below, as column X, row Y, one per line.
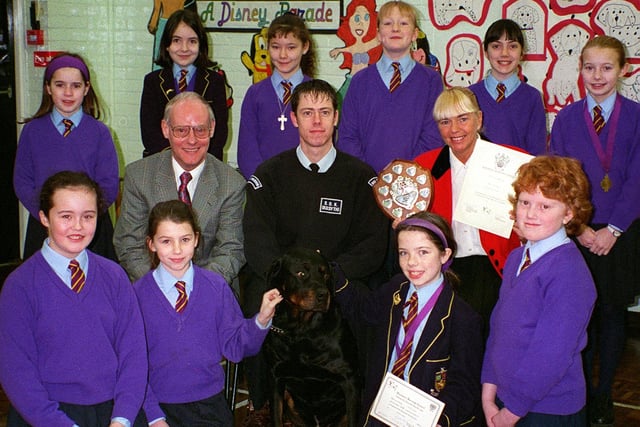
column 42, row 151
column 59, row 346
column 377, row 126
column 259, row 136
column 185, row 349
column 519, row 120
column 538, row 329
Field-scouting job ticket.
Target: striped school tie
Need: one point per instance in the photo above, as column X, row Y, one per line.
column 287, row 92
column 501, row 88
column 405, row 354
column 67, row 127
column 77, row 276
column 527, row 261
column 182, row 82
column 598, row 119
column 181, row 303
column 395, row 79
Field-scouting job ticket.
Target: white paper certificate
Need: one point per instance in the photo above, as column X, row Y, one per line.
column 400, row 404
column 483, row 201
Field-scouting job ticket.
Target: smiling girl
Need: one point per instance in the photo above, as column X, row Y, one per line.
column 517, row 117
column 66, row 134
column 442, row 353
column 192, row 321
column 70, row 327
column 602, row 131
column 265, row 128
column 184, row 58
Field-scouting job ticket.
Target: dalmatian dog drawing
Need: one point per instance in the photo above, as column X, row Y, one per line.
column 620, row 20
column 526, row 17
column 563, row 81
column 463, row 63
column 446, row 10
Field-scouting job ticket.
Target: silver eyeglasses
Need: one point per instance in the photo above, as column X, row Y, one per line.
column 183, row 131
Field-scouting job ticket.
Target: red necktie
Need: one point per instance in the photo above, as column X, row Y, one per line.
column 527, row 261
column 598, row 119
column 183, row 191
column 182, row 82
column 67, row 127
column 395, row 79
column 287, row 92
column 405, row 353
column 501, row 88
column 181, row 303
column 77, row 276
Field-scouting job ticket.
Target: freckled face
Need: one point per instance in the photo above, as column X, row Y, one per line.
column 539, row 217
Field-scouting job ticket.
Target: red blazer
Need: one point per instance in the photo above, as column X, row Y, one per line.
column 437, row 161
column 159, row 88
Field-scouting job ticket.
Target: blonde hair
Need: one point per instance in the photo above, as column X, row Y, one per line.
column 405, row 9
column 453, row 102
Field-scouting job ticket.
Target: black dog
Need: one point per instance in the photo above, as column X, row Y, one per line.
column 310, row 349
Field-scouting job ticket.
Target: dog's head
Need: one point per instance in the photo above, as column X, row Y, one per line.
column 303, row 278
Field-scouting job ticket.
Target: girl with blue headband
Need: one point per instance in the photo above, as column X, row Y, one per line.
column 66, row 134
column 424, row 332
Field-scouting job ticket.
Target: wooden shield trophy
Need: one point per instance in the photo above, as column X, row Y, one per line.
column 403, row 188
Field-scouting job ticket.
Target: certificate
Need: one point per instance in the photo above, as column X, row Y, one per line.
column 400, row 404
column 483, row 201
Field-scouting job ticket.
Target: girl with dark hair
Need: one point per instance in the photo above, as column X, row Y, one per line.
column 66, row 134
column 184, row 58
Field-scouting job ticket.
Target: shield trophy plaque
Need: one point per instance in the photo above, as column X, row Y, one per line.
column 403, row 188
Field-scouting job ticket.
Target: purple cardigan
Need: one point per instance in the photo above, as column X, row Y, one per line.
column 42, row 151
column 538, row 329
column 377, row 126
column 259, row 136
column 185, row 350
column 519, row 120
column 59, row 346
column 619, row 206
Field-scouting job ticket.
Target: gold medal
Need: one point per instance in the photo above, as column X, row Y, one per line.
column 605, row 184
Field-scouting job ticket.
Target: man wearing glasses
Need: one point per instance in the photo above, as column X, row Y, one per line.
column 187, row 172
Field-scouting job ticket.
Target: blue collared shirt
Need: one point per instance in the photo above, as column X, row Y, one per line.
column 424, row 294
column 511, row 83
column 56, row 118
column 541, row 247
column 277, row 79
column 60, row 263
column 176, row 69
column 166, row 282
column 324, row 163
column 606, row 105
column 385, row 69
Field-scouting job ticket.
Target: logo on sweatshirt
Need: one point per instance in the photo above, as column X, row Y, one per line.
column 331, row 206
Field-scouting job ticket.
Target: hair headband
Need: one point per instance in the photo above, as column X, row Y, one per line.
column 63, row 62
column 423, row 223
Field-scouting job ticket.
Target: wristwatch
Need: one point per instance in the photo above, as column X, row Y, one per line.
column 613, row 231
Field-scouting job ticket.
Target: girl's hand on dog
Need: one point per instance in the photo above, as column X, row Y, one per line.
column 268, row 308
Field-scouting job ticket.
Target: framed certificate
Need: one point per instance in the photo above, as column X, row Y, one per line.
column 400, row 404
